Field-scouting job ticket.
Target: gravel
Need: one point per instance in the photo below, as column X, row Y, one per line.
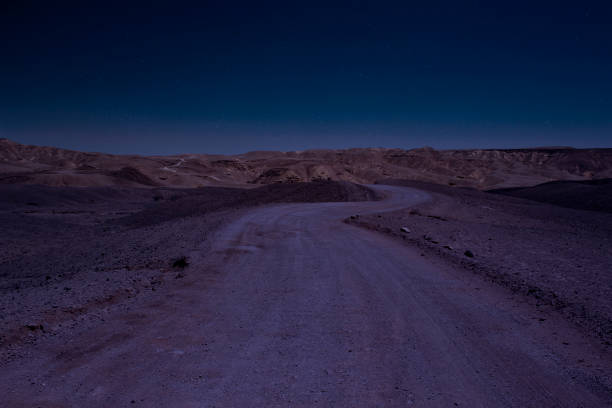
column 559, row 258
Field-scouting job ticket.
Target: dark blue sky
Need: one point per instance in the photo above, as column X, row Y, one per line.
column 228, row 77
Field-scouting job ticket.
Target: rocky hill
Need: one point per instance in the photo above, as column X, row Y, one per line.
column 592, row 195
column 482, row 169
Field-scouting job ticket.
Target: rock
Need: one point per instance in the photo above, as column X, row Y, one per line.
column 430, row 239
column 469, row 254
column 405, row 229
column 448, row 247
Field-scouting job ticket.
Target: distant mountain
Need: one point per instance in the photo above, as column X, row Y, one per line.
column 482, row 169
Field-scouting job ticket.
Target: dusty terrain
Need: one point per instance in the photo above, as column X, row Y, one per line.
column 122, row 285
column 287, row 305
column 559, row 258
column 482, row 169
column 67, row 251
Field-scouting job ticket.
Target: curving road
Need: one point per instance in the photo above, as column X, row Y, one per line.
column 295, row 308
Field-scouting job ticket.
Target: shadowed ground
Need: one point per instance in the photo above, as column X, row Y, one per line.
column 293, row 307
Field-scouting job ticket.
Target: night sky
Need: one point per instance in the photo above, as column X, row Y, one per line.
column 230, row 77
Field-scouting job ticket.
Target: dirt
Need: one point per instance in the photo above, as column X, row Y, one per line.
column 289, row 306
column 68, row 251
column 559, row 258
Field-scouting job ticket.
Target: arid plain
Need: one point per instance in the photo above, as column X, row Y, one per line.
column 359, row 277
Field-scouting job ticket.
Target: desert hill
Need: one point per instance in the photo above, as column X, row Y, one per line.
column 482, row 169
column 592, row 195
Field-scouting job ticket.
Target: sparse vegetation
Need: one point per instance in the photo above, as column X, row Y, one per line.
column 180, row 263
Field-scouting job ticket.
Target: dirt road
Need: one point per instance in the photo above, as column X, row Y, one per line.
column 295, row 308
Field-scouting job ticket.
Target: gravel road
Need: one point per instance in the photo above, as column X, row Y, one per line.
column 295, row 308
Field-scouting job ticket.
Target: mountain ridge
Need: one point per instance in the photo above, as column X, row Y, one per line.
column 476, row 168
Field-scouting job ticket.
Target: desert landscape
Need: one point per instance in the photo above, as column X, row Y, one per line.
column 481, row 169
column 277, row 204
column 355, row 278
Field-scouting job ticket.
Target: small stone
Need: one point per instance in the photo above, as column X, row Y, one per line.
column 469, row 254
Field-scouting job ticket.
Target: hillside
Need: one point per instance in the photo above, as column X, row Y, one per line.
column 592, row 195
column 482, row 169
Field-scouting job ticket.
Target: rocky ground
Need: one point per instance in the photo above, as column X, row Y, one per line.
column 69, row 254
column 559, row 258
column 118, row 296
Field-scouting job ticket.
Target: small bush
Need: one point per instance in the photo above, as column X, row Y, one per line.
column 180, row 263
